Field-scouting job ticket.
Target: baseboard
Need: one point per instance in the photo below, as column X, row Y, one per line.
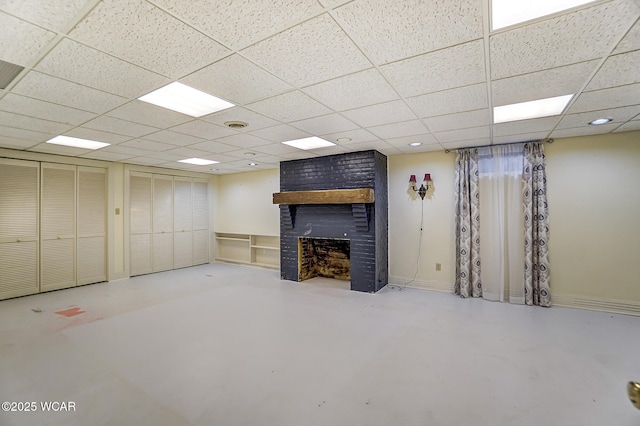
column 422, row 284
column 603, row 305
column 565, row 300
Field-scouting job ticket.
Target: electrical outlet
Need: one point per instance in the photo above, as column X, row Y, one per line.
column 438, row 267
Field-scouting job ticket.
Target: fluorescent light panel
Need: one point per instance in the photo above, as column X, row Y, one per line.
column 312, row 142
column 187, row 100
column 198, row 161
column 77, row 142
column 532, row 109
column 510, row 12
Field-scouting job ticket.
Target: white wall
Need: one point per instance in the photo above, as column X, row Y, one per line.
column 594, row 213
column 406, row 211
column 244, row 203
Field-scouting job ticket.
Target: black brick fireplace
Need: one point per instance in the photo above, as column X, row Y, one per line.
column 362, row 221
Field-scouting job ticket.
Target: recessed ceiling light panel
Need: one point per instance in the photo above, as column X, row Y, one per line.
column 198, row 161
column 415, row 144
column 77, row 142
column 187, row 100
column 309, row 143
column 532, row 109
column 510, row 12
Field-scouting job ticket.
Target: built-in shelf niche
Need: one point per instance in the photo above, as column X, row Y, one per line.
column 250, row 249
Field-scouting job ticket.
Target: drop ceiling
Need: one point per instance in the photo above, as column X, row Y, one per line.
column 375, row 74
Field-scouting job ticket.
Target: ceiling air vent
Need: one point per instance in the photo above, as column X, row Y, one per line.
column 236, row 124
column 8, row 72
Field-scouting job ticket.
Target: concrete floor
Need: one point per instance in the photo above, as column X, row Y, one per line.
column 228, row 345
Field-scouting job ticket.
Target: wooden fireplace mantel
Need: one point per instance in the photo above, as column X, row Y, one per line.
column 328, row 196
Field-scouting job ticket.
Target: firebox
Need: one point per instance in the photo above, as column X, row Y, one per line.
column 323, row 257
column 333, row 219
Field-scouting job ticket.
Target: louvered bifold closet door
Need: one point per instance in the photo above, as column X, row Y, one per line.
column 58, row 221
column 182, row 235
column 200, row 222
column 140, row 230
column 92, row 241
column 19, row 187
column 162, row 247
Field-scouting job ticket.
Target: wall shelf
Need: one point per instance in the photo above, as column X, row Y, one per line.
column 249, row 249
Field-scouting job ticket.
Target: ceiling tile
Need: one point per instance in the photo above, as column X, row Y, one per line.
column 83, row 65
column 444, row 69
column 44, row 110
column 326, row 124
column 105, row 155
column 631, row 40
column 15, row 143
column 392, row 30
column 187, row 152
column 575, row 37
column 463, row 134
column 606, row 98
column 58, row 91
column 542, row 84
column 30, row 123
column 203, row 129
column 275, row 149
column 24, row 134
column 96, row 135
column 535, row 125
column 59, row 149
column 240, row 141
column 297, row 56
column 460, row 120
column 629, row 126
column 237, row 80
column 256, row 121
column 619, row 115
column 53, row 15
column 173, row 138
column 419, row 149
column 239, row 23
column 424, row 138
column 121, row 127
column 467, row 144
column 617, row 70
column 333, row 3
column 280, row 133
column 166, row 156
column 125, row 150
column 213, row 147
column 147, row 161
column 353, row 91
column 356, row 136
column 292, row 106
column 386, row 113
column 583, row 131
column 364, row 146
column 462, row 99
column 148, row 145
column 169, row 58
column 535, row 136
column 397, row 130
column 22, row 42
column 149, row 115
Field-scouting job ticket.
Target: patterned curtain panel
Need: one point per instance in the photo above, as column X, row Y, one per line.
column 468, row 283
column 536, row 224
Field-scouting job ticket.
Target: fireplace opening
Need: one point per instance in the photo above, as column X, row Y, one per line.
column 324, row 257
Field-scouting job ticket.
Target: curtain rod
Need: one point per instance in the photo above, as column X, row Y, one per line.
column 510, row 143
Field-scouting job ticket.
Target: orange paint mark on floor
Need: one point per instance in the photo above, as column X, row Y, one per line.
column 71, row 312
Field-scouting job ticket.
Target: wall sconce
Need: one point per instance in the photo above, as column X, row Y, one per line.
column 424, row 187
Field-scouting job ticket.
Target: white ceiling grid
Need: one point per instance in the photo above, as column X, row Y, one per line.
column 364, row 74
